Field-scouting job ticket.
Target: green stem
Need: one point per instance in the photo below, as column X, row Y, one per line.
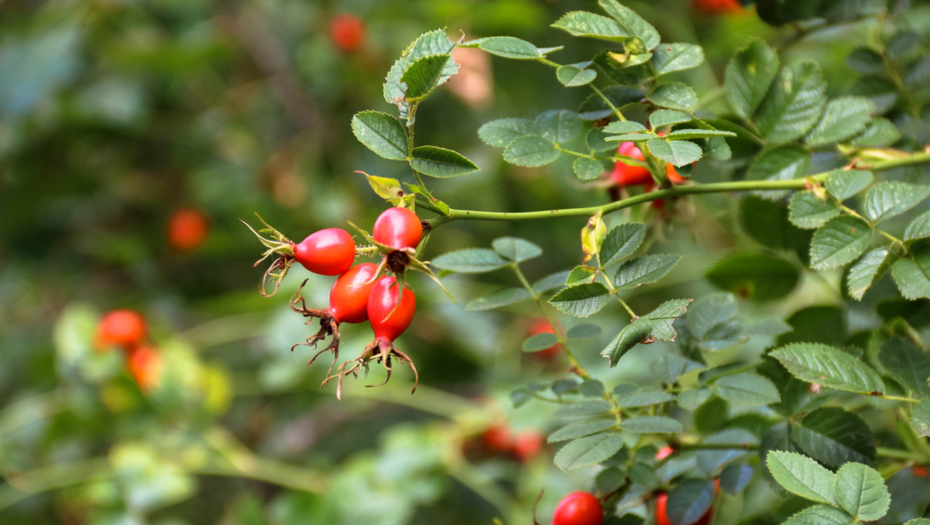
column 609, row 103
column 899, row 398
column 883, row 452
column 625, row 306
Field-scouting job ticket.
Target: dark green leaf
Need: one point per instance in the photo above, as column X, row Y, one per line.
column 861, row 491
column 432, row 43
column 644, row 270
column 624, row 126
column 668, row 58
column 621, row 242
column 843, row 118
column 734, row 478
column 808, row 212
column 888, row 199
column 668, row 369
column 440, row 162
column 840, row 241
column 584, row 24
column 747, row 389
column 584, row 408
column 880, row 91
column 794, row 103
column 780, row 163
column 693, row 398
column 597, row 144
column 581, row 274
column 843, row 184
column 827, row 366
column 870, row 267
column 423, row 75
column 531, row 152
column 674, row 95
column 834, row 436
column 631, row 335
column 642, row 399
column 880, row 133
column 919, row 228
column 710, row 461
column 632, row 23
column 865, row 61
column 680, row 134
column 802, row 476
column 749, row 75
column 761, row 277
column 907, row 364
column 581, row 429
column 663, row 317
column 651, row 425
column 710, row 311
column 381, row 133
column 550, row 282
column 581, row 300
column 667, row 117
column 591, row 388
column 912, row 274
column 559, row 125
column 688, row 501
column 587, row 451
column 500, row 133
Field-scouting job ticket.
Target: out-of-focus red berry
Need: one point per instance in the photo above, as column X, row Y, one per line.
column 527, row 445
column 187, row 229
column 123, row 327
column 718, row 7
column 347, row 31
column 628, row 175
column 144, row 365
column 920, row 471
column 542, row 326
column 664, row 452
column 498, row 438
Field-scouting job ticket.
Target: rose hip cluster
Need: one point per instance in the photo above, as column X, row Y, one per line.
column 626, row 175
column 127, row 330
column 361, row 293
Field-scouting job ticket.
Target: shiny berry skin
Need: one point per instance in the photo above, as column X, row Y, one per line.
column 326, row 252
column 382, row 301
column 717, row 7
column 144, row 365
column 542, row 326
column 528, row 445
column 578, row 508
column 347, row 31
column 187, row 229
column 348, row 298
column 120, row 327
column 398, row 228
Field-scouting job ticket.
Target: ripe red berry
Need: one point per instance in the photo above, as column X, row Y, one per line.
column 664, row 452
column 398, row 228
column 528, row 445
column 326, row 252
column 578, row 508
column 144, row 365
column 187, row 229
column 542, row 326
column 120, row 327
column 348, row 299
column 498, row 438
column 347, row 31
column 718, row 7
column 388, row 318
column 628, row 175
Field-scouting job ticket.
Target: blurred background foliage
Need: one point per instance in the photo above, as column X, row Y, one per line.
column 114, row 114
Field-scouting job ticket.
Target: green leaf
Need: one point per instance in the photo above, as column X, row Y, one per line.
column 749, row 75
column 471, row 260
column 710, row 311
column 761, row 277
column 663, row 317
column 595, row 140
column 516, row 249
column 588, row 169
column 794, row 103
column 920, row 418
column 644, row 270
column 747, row 389
column 498, row 299
column 381, row 133
column 581, row 274
column 590, row 25
column 632, row 23
column 780, row 163
column 843, row 184
column 802, row 476
column 624, row 126
column 531, row 152
column 808, row 212
column 550, row 282
column 912, row 274
column 520, row 397
column 631, row 335
column 651, row 425
column 668, row 117
column 918, row 521
column 669, row 368
column 680, row 134
column 581, row 429
column 595, row 107
column 583, row 331
column 689, row 500
column 584, row 408
column 643, row 475
column 592, row 388
column 718, row 149
column 539, row 342
column 629, row 137
column 840, row 241
column 587, row 451
column 866, row 61
column 573, row 76
column 711, row 461
column 559, row 125
column 734, row 478
column 581, row 300
column 668, row 58
column 390, row 190
column 843, row 118
column 870, row 267
column 862, row 492
column 827, row 366
column 907, row 364
column 500, row 133
column 674, row 95
column 509, row 47
column 691, row 399
column 610, row 480
column 643, row 399
column 880, row 133
column 820, row 515
column 883, row 93
column 440, row 162
column 423, row 75
column 919, row 228
column 888, row 199
column 621, row 242
column 432, row 43
column 834, row 436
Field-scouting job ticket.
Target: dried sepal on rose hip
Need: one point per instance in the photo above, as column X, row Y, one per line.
column 348, row 303
column 390, row 313
column 330, row 251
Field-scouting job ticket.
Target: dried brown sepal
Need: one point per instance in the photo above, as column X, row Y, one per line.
column 328, row 326
column 378, row 350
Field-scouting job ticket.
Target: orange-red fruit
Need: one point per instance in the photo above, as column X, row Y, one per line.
column 187, row 229
column 326, row 252
column 627, row 175
column 348, row 298
column 528, row 445
column 120, row 327
column 498, row 438
column 717, row 7
column 542, row 326
column 664, row 452
column 920, row 471
column 144, row 365
column 578, row 508
column 398, row 228
column 387, row 321
column 347, row 31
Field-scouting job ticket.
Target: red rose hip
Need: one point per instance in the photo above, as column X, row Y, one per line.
column 542, row 326
column 398, row 228
column 578, row 508
column 326, row 252
column 347, row 31
column 348, row 299
column 123, row 327
column 388, row 318
column 144, row 365
column 187, row 229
